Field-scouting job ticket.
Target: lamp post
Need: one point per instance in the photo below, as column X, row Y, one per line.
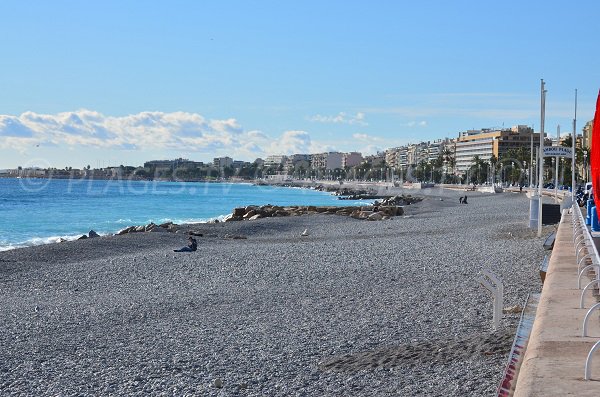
column 512, row 172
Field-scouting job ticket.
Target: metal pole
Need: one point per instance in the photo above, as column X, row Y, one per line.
column 573, row 148
column 556, row 168
column 541, row 158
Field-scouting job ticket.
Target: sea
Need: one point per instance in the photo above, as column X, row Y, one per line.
column 42, row 211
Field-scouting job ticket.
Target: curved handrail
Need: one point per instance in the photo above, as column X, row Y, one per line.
column 587, row 234
column 596, row 281
column 583, row 271
column 588, row 361
column 586, row 256
column 587, row 317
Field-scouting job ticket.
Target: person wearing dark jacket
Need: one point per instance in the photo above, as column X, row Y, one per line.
column 192, row 246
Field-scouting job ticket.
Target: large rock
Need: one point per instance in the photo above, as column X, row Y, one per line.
column 140, row 228
column 361, row 214
column 232, row 217
column 129, row 229
column 93, row 234
column 249, row 214
column 150, row 226
column 375, row 216
column 388, row 210
column 240, row 211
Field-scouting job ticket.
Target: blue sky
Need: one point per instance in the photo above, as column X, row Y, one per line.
column 120, row 82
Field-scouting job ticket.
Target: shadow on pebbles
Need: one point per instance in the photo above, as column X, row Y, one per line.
column 422, row 352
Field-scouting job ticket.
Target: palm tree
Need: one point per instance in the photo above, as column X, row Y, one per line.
column 493, row 163
column 478, row 170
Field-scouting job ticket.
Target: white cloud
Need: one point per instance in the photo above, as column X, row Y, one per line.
column 370, row 149
column 341, row 118
column 367, row 138
column 145, row 130
column 180, row 132
column 416, row 124
column 292, row 142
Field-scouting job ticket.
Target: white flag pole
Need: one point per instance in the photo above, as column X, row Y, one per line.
column 541, row 159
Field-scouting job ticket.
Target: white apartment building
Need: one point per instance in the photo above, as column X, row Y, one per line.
column 275, row 160
column 222, row 162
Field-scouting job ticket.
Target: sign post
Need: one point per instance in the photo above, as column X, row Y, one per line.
column 558, row 152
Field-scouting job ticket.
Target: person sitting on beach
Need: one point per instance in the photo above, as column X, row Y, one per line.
column 465, row 200
column 192, row 246
column 460, row 200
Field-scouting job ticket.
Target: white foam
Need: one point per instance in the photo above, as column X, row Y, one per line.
column 41, row 241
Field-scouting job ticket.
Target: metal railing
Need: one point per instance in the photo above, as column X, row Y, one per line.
column 587, row 259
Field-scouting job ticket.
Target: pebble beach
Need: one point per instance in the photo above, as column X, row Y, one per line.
column 356, row 308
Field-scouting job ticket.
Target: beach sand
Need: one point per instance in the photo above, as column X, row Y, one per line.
column 355, row 308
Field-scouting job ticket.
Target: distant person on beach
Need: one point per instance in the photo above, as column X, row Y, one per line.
column 460, row 200
column 192, row 246
column 465, row 200
column 521, row 188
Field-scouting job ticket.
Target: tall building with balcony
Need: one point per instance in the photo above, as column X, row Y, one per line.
column 351, row 159
column 275, row 161
column 297, row 162
column 172, row 164
column 587, row 135
column 222, row 162
column 487, row 142
column 327, row 161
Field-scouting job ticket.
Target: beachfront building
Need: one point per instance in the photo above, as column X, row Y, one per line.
column 376, row 160
column 222, row 162
column 327, row 161
column 436, row 148
column 587, row 135
column 275, row 161
column 352, row 159
column 487, row 142
column 297, row 164
column 417, row 153
column 392, row 157
column 172, row 164
column 414, row 153
column 397, row 157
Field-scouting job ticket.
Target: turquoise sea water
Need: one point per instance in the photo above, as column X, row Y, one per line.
column 38, row 211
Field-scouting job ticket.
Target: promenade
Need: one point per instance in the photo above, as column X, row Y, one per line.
column 555, row 357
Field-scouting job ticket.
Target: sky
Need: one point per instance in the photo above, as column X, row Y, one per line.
column 106, row 83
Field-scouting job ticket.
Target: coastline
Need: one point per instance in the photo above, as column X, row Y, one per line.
column 275, row 313
column 103, row 230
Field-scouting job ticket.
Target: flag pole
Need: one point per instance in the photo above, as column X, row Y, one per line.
column 573, row 180
column 556, row 165
column 541, row 158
